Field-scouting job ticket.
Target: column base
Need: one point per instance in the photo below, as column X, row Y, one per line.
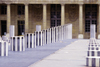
column 98, row 36
column 80, row 36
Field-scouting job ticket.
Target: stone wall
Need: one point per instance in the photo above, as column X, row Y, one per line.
column 72, row 16
column 36, row 18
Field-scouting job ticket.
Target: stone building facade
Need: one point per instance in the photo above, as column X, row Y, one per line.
column 26, row 14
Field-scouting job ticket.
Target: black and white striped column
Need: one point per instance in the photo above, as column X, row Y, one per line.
column 93, row 53
column 29, row 39
column 56, row 34
column 3, row 48
column 17, row 43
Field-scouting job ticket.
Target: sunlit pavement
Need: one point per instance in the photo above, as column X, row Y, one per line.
column 73, row 55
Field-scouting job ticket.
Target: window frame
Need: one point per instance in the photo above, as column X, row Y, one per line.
column 20, row 9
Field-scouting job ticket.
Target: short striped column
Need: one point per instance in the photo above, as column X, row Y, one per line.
column 44, row 36
column 60, row 33
column 64, row 32
column 93, row 53
column 35, row 42
column 93, row 61
column 17, row 43
column 56, row 34
column 48, row 36
column 29, row 40
column 3, row 48
column 39, row 38
column 52, row 30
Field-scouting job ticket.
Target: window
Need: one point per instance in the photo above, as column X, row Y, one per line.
column 21, row 27
column 21, row 9
column 55, row 15
column 3, row 27
column 3, row 9
column 90, row 16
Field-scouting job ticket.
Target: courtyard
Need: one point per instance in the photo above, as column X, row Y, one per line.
column 66, row 53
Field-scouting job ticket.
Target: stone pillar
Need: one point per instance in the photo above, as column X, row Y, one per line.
column 62, row 14
column 92, row 31
column 44, row 16
column 26, row 19
column 99, row 23
column 38, row 27
column 80, row 21
column 12, row 30
column 8, row 17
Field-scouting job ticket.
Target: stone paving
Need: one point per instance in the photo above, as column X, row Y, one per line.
column 73, row 55
column 30, row 56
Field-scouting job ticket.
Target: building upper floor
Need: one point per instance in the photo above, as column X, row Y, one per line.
column 51, row 1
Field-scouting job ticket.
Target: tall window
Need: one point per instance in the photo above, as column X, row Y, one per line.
column 21, row 9
column 21, row 27
column 3, row 9
column 90, row 16
column 55, row 15
column 3, row 27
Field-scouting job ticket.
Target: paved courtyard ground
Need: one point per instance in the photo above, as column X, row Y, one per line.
column 73, row 55
column 31, row 56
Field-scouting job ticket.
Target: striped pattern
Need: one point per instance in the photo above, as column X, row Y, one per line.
column 93, row 61
column 51, row 35
column 93, row 53
column 17, row 43
column 39, row 38
column 3, row 48
column 29, row 40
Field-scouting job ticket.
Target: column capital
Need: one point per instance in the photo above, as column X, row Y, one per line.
column 62, row 4
column 81, row 4
column 44, row 4
column 7, row 3
column 26, row 4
